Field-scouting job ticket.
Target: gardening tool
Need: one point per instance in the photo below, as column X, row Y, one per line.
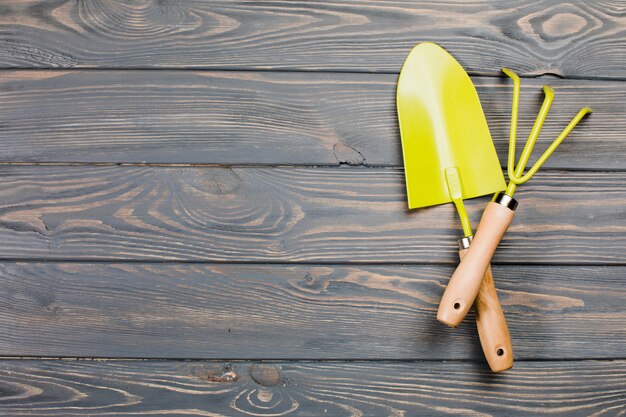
column 449, row 156
column 463, row 286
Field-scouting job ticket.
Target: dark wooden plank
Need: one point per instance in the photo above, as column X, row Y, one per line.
column 584, row 39
column 301, row 311
column 329, row 215
column 114, row 388
column 269, row 118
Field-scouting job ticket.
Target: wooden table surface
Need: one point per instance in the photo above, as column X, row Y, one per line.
column 202, row 211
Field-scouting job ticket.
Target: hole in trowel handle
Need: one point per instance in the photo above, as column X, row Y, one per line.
column 500, row 352
column 457, row 305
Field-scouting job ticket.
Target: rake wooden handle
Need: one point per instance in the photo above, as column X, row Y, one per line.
column 491, row 323
column 468, row 276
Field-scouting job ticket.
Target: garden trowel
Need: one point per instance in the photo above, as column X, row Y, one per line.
column 448, row 157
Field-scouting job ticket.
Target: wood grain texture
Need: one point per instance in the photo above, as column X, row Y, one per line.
column 130, row 388
column 302, row 311
column 329, row 215
column 249, row 264
column 583, row 39
column 271, row 118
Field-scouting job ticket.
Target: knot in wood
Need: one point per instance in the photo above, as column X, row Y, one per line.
column 265, row 375
column 225, row 374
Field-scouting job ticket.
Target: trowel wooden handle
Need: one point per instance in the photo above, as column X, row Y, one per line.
column 466, row 280
column 492, row 329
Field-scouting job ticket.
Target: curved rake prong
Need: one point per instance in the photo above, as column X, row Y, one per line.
column 514, row 117
column 534, row 134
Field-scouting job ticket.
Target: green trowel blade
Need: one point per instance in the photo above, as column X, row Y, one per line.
column 442, row 125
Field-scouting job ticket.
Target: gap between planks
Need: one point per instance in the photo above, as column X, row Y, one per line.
column 261, row 165
column 291, row 264
column 547, row 75
column 291, row 360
